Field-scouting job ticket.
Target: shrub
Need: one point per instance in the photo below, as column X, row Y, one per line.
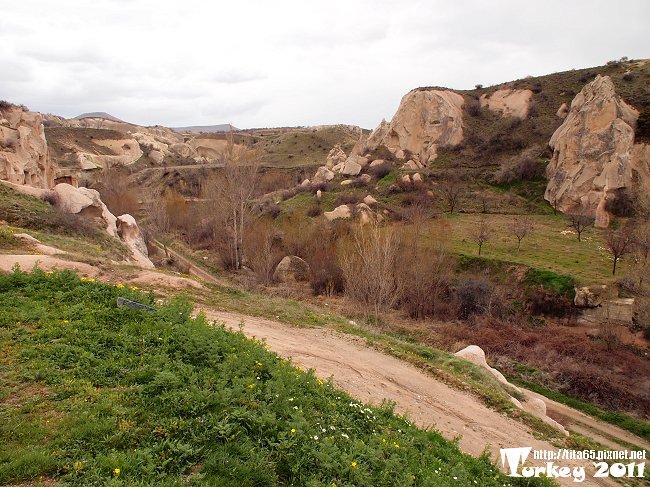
column 473, row 296
column 643, row 125
column 474, row 108
column 622, row 204
column 544, row 302
column 348, row 199
column 523, row 169
column 51, row 197
column 314, row 211
column 380, row 170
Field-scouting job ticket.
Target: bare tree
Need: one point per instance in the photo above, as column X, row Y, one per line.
column 642, row 249
column 369, row 265
column 118, row 194
column 229, row 193
column 262, row 252
column 579, row 222
column 481, row 234
column 452, row 191
column 425, row 268
column 619, row 242
column 521, row 227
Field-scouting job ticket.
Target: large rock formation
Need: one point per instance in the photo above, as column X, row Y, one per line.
column 425, row 120
column 509, row 102
column 129, row 232
column 23, row 148
column 291, row 268
column 594, row 155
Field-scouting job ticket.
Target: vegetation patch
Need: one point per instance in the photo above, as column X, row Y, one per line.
column 100, row 394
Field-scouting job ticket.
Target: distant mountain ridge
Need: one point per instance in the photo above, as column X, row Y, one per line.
column 104, row 115
column 224, row 127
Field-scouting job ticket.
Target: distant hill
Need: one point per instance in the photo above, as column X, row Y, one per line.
column 104, row 115
column 195, row 129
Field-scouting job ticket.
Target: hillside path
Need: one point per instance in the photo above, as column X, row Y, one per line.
column 372, row 376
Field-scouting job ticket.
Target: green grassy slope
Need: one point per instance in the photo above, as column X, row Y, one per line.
column 93, row 393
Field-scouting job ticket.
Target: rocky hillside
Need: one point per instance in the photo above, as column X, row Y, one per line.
column 580, row 125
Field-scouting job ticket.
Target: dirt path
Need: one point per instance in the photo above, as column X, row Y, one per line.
column 372, row 377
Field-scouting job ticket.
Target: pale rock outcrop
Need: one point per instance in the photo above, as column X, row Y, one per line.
column 335, row 157
column 306, row 182
column 406, row 178
column 130, row 234
column 529, row 403
column 85, row 202
column 364, row 213
column 412, row 165
column 323, row 174
column 125, row 151
column 594, row 155
column 417, row 177
column 509, row 102
column 563, row 111
column 589, row 297
column 156, row 156
column 342, row 212
column 347, row 182
column 291, row 268
column 476, row 355
column 424, row 121
column 353, row 165
column 37, row 245
column 377, row 162
column 319, row 194
column 365, row 178
column 183, row 150
column 369, row 200
column 23, row 148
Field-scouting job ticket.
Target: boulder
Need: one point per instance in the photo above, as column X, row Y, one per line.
column 476, row 355
column 291, row 268
column 365, row 214
column 589, row 297
column 24, row 157
column 353, row 165
column 319, row 194
column 365, row 178
column 183, row 150
column 377, row 162
column 529, row 402
column 305, row 183
column 342, row 212
column 594, row 154
column 563, row 111
column 411, row 165
column 424, row 121
column 335, row 157
column 406, row 178
column 130, row 234
column 156, row 156
column 417, row 177
column 508, row 102
column 323, row 174
column 369, row 200
column 347, row 182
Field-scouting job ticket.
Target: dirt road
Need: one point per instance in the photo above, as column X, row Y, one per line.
column 372, row 376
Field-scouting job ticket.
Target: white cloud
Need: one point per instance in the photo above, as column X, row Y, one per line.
column 260, row 63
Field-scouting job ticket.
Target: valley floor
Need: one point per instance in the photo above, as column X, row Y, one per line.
column 372, row 376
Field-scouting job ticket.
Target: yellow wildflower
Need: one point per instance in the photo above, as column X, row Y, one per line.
column 134, row 288
column 293, row 430
column 120, row 286
column 116, row 471
column 354, row 464
column 65, row 322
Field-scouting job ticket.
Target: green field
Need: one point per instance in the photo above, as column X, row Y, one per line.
column 547, row 248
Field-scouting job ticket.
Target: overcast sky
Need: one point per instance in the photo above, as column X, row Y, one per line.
column 276, row 63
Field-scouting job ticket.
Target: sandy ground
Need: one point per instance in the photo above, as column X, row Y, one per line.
column 373, row 377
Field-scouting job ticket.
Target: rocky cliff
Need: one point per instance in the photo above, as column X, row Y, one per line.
column 424, row 121
column 23, row 148
column 595, row 156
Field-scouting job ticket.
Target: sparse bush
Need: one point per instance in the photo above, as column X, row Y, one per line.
column 263, row 249
column 621, row 204
column 380, row 170
column 474, row 296
column 314, row 211
column 381, row 152
column 51, row 197
column 348, row 199
column 628, row 76
column 544, row 302
column 643, row 125
column 474, row 108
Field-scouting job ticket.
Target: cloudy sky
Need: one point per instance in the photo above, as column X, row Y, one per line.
column 275, row 63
